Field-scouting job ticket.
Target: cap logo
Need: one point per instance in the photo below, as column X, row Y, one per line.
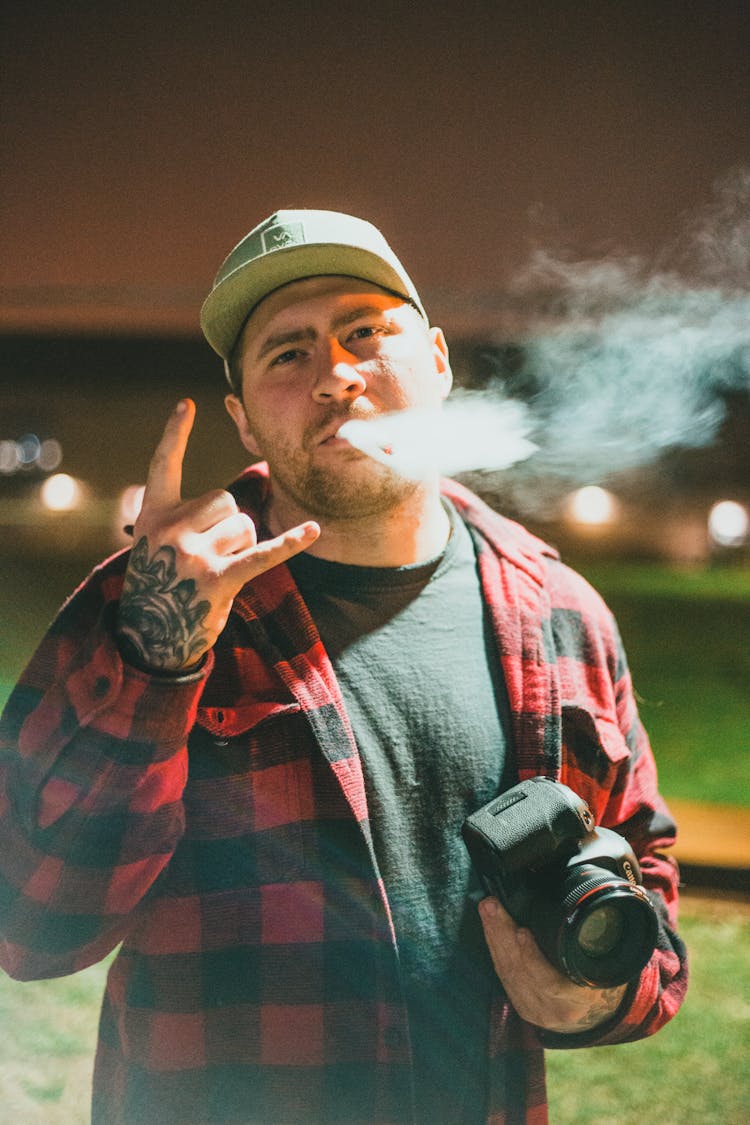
column 284, row 234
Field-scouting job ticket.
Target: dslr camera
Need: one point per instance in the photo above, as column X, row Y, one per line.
column 575, row 886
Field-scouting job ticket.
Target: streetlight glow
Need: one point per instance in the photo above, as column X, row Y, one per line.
column 592, row 505
column 728, row 523
column 61, row 493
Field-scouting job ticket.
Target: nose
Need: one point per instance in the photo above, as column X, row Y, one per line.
column 338, row 378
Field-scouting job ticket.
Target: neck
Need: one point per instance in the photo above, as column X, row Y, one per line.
column 412, row 532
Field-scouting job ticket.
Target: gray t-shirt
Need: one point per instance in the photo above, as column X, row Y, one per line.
column 417, row 664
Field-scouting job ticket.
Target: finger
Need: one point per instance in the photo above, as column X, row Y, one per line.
column 496, row 919
column 515, row 955
column 506, row 934
column 164, row 480
column 500, row 932
column 205, row 512
column 517, row 958
column 236, row 533
column 257, row 560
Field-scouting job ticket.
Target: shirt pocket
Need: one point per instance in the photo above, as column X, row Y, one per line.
column 248, row 798
column 233, row 722
column 594, row 755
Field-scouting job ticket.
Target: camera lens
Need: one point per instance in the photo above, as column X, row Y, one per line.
column 597, row 928
column 600, row 931
column 609, row 930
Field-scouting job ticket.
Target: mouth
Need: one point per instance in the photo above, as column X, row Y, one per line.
column 335, row 436
column 347, row 434
column 335, row 441
column 371, row 436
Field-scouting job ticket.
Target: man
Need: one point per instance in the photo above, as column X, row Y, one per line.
column 246, row 748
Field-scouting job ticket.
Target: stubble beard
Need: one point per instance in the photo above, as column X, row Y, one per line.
column 347, row 486
column 355, row 487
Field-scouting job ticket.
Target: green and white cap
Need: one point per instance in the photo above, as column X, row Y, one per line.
column 289, row 246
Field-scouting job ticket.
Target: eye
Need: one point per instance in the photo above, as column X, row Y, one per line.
column 286, row 357
column 367, row 332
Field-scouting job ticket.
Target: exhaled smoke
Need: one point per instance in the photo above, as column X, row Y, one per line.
column 618, row 387
column 620, row 362
column 471, row 432
column 640, row 361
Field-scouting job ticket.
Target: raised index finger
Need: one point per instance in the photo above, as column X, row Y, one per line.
column 164, row 482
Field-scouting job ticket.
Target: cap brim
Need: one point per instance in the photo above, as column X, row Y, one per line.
column 228, row 306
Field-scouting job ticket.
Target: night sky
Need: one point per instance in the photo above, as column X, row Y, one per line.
column 140, row 142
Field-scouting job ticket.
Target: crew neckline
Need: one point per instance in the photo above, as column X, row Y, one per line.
column 344, row 577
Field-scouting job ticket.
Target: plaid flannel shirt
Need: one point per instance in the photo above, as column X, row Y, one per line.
column 216, row 825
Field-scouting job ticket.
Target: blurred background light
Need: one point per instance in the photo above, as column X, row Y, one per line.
column 729, row 523
column 50, row 455
column 28, row 450
column 8, row 457
column 61, row 493
column 592, row 505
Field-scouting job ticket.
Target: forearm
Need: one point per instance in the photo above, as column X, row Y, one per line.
column 94, row 766
column 636, row 810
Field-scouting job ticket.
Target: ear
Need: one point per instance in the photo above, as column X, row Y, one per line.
column 236, row 412
column 442, row 360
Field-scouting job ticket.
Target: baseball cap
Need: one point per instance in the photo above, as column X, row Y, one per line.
column 289, row 246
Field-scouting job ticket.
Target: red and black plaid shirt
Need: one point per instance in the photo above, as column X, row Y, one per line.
column 216, row 825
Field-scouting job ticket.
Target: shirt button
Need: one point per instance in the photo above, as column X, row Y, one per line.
column 393, row 1036
column 102, row 685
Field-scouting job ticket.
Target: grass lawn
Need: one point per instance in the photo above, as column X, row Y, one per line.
column 47, row 1041
column 687, row 635
column 694, row 1072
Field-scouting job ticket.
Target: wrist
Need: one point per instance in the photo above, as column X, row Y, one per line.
column 597, row 1008
column 132, row 655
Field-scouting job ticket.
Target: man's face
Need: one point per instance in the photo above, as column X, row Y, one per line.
column 313, row 355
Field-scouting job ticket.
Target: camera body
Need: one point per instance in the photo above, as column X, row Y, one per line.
column 575, row 886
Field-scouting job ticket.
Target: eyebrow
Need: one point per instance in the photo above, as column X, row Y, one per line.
column 310, row 334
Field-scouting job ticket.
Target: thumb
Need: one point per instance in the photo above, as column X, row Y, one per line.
column 255, row 560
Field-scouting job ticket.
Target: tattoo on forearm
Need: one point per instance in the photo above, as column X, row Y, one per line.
column 160, row 619
column 607, row 1001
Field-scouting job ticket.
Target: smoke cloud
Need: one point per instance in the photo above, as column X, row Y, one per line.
column 641, row 359
column 640, row 365
column 622, row 361
column 471, row 432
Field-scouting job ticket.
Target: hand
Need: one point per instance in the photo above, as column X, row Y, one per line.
column 190, row 559
column 539, row 993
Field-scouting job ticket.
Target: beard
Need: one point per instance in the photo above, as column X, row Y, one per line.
column 328, row 495
column 349, row 485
